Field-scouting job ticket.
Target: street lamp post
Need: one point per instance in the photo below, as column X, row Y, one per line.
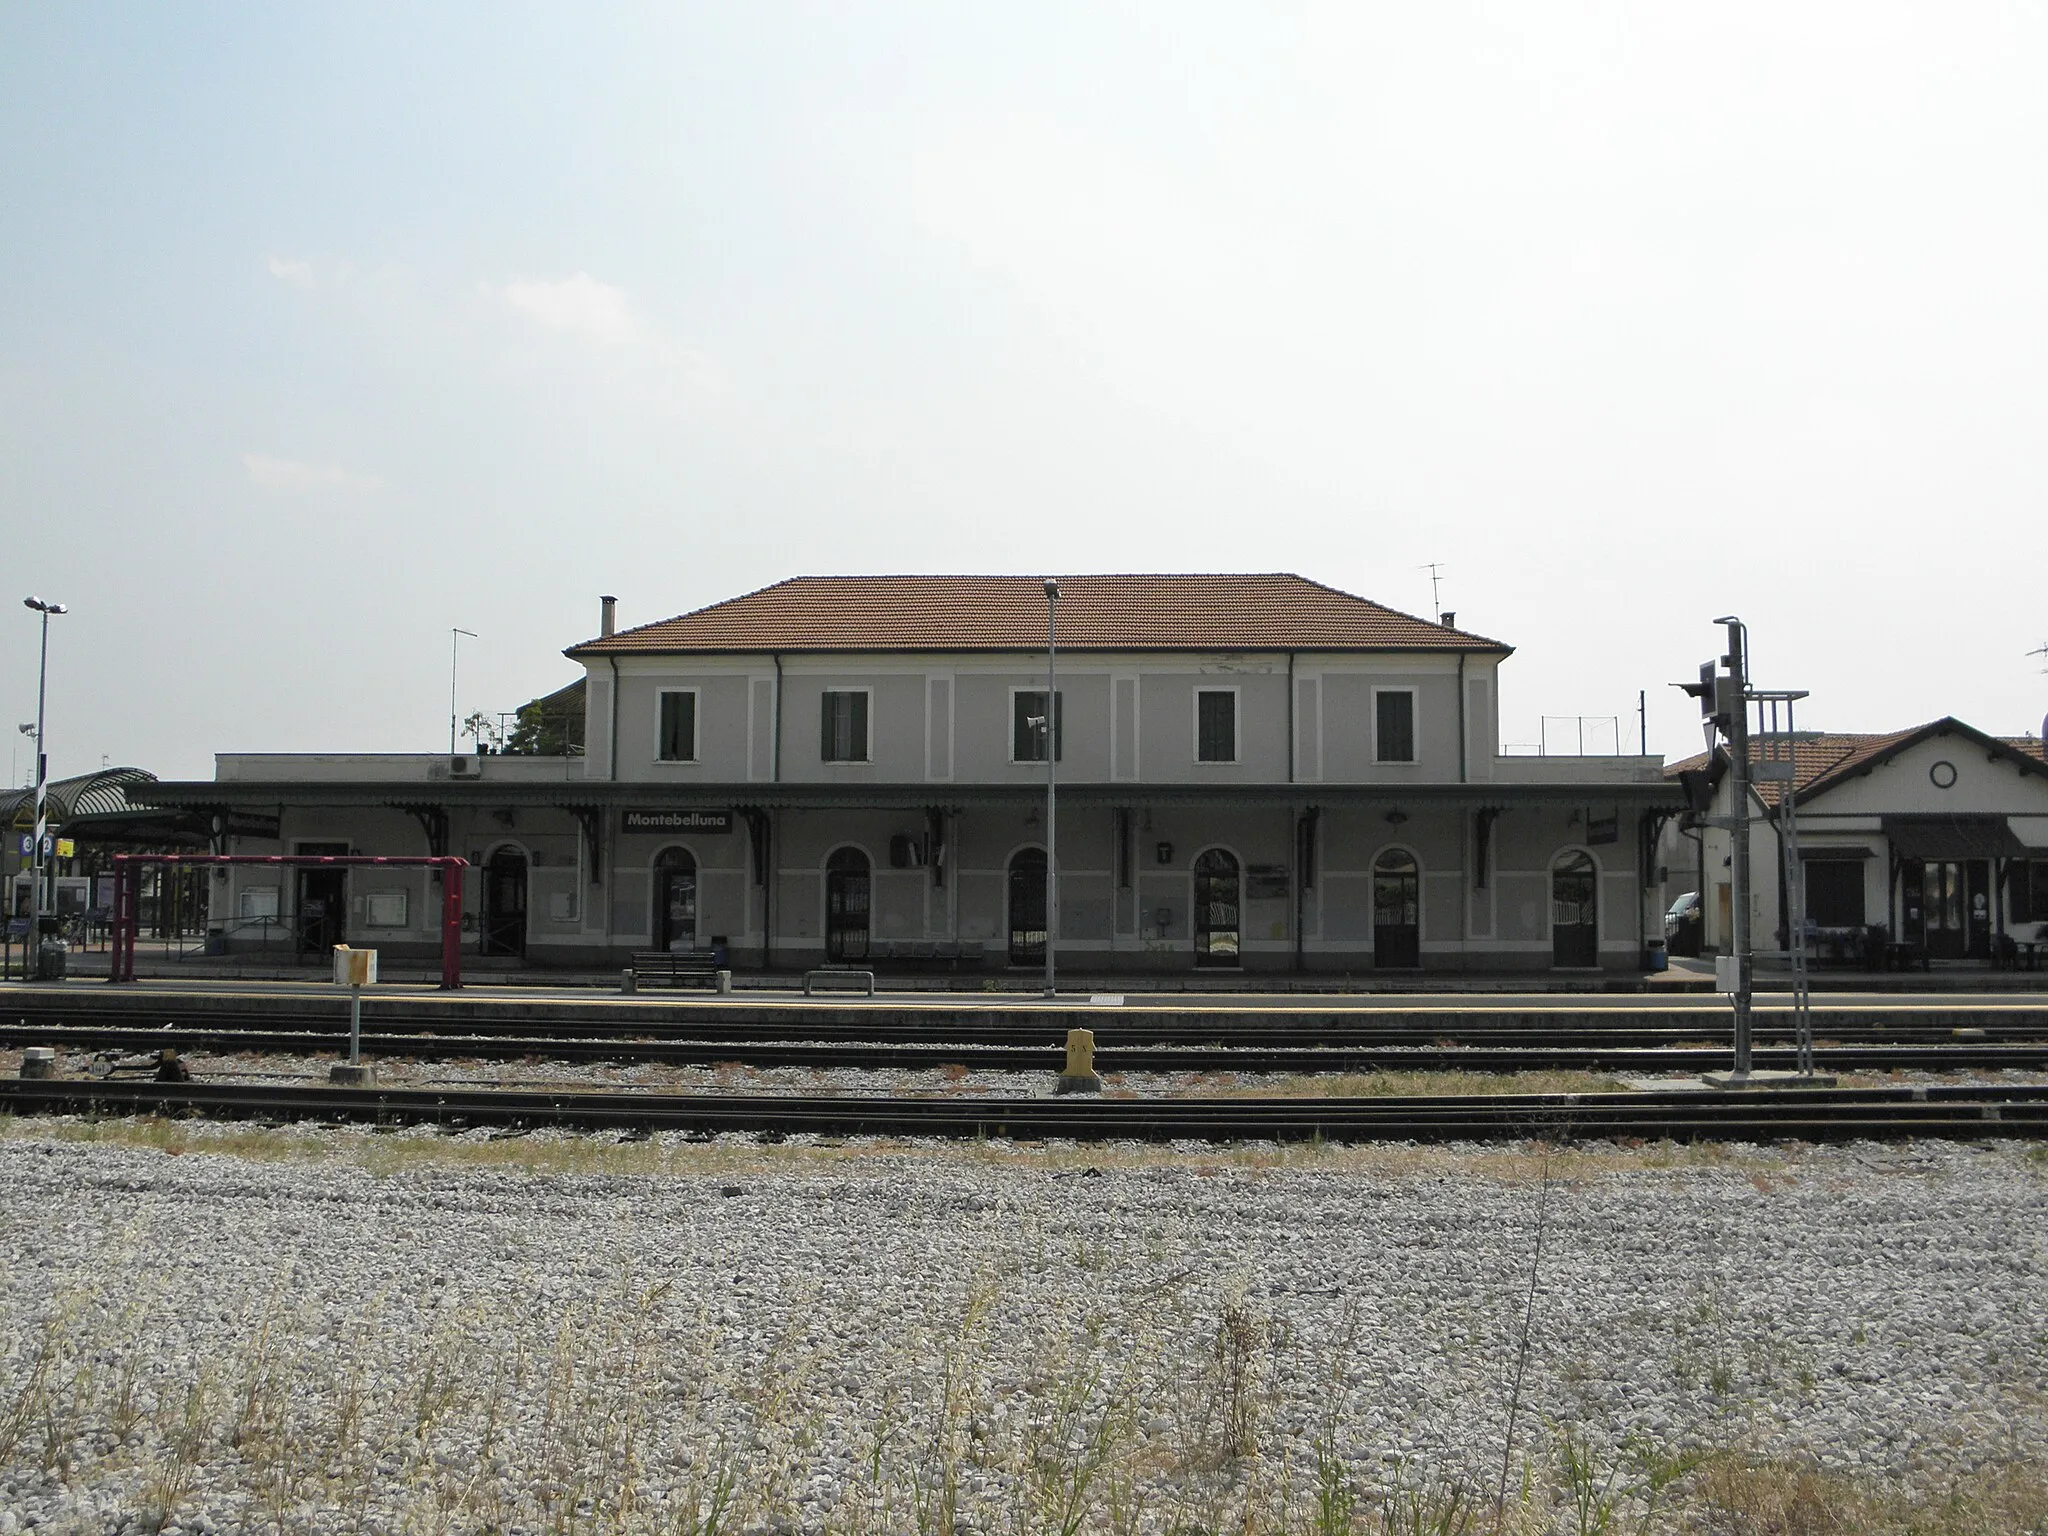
column 454, row 640
column 35, row 908
column 1052, row 752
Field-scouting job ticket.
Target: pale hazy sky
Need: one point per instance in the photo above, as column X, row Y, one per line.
column 326, row 328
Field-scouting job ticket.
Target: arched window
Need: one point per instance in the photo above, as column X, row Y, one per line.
column 847, row 897
column 1396, row 911
column 504, row 925
column 1574, row 910
column 1216, row 908
column 1027, row 907
column 675, row 899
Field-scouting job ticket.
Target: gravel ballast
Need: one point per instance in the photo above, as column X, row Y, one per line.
column 218, row 1329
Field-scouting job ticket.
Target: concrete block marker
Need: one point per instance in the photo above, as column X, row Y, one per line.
column 1767, row 1080
column 39, row 1061
column 1078, row 1076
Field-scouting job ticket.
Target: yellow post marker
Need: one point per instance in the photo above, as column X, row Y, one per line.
column 354, row 969
column 1079, row 1075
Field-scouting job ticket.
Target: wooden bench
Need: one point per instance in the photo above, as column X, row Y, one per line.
column 840, row 973
column 676, row 968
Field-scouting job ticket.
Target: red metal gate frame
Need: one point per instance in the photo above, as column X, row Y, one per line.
column 128, row 897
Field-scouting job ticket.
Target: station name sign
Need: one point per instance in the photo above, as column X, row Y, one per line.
column 678, row 821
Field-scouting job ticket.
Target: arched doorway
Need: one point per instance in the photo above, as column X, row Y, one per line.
column 848, row 885
column 1216, row 908
column 1575, row 910
column 1396, row 911
column 1027, row 907
column 675, row 900
column 504, row 924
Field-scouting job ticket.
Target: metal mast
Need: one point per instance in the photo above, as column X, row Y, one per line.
column 1777, row 753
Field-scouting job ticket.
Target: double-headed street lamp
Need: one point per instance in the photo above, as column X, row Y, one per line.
column 35, row 908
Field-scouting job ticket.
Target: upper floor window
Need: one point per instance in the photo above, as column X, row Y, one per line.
column 675, row 739
column 1393, row 725
column 1027, row 726
column 1215, row 725
column 843, row 732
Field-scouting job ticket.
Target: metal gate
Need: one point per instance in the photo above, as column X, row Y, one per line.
column 848, row 887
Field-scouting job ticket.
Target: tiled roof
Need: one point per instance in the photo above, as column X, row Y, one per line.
column 1007, row 613
column 1822, row 761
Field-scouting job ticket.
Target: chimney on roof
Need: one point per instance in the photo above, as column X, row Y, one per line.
column 1449, row 620
column 607, row 616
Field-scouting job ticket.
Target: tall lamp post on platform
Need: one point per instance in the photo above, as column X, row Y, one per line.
column 1052, row 752
column 35, row 909
column 454, row 640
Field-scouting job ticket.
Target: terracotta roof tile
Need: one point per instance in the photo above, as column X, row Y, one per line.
column 1007, row 613
column 1827, row 758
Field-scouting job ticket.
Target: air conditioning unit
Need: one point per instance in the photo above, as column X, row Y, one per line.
column 464, row 767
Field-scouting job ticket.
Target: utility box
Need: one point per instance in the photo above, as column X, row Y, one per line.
column 354, row 967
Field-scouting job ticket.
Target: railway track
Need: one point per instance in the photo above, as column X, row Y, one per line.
column 1801, row 1114
column 1120, row 1029
column 1030, row 1052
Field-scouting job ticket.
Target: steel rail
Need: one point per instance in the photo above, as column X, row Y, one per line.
column 1041, row 1055
column 1205, row 1028
column 1811, row 1114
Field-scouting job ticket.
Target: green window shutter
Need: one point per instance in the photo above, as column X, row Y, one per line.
column 1216, row 726
column 1396, row 723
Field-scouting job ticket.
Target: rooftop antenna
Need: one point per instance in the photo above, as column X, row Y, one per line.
column 1436, row 581
column 2041, row 650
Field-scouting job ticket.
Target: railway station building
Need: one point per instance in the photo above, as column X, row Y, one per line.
column 1932, row 840
column 1254, row 772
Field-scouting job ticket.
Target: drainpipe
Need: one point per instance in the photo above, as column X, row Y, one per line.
column 613, row 763
column 1294, row 812
column 611, row 864
column 1465, row 816
column 774, row 824
column 1300, row 841
column 1290, row 717
column 1464, row 752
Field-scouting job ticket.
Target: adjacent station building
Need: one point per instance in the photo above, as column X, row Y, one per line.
column 1934, row 837
column 1254, row 772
